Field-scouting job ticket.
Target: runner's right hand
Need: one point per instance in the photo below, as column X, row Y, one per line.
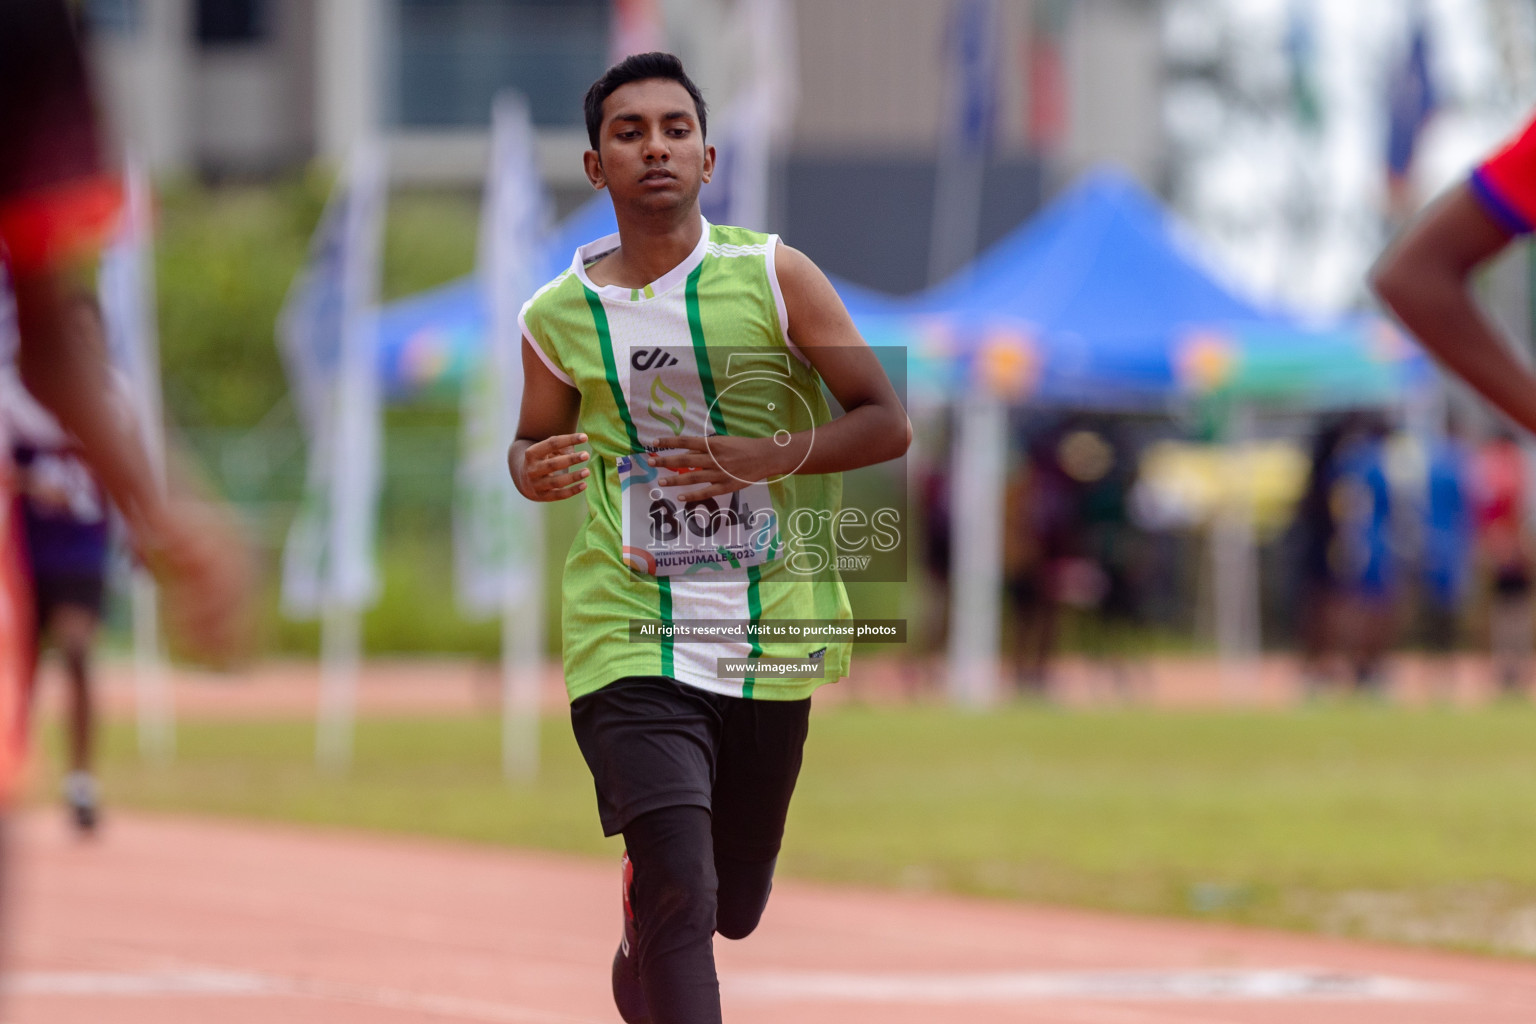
column 547, row 473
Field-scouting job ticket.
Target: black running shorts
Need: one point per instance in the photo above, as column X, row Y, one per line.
column 652, row 742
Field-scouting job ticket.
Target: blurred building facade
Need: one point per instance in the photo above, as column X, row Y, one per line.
column 250, row 88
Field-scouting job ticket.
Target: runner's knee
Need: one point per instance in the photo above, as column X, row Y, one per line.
column 675, row 883
column 743, row 895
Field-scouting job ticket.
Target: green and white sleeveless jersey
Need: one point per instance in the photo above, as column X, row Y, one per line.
column 703, row 351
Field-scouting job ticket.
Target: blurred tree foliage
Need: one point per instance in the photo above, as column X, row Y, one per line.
column 225, row 258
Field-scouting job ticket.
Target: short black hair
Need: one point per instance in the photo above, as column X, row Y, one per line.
column 637, row 68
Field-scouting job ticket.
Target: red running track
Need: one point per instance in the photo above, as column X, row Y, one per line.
column 178, row 920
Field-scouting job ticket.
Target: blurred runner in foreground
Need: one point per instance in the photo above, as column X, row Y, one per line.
column 692, row 355
column 1425, row 277
column 56, row 202
column 64, row 517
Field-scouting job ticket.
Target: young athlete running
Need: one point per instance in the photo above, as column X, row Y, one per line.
column 690, row 357
column 1425, row 276
column 64, row 519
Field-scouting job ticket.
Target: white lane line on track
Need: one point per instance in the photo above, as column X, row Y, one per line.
column 1035, row 986
column 212, row 982
column 142, row 983
column 1299, row 985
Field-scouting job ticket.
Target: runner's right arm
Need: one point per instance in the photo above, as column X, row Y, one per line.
column 543, row 461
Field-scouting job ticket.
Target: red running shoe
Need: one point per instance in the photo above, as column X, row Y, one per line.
column 628, row 996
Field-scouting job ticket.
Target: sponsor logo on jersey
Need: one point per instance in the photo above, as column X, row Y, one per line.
column 667, row 407
column 651, row 359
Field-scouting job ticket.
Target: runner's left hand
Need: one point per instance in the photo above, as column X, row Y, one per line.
column 719, row 464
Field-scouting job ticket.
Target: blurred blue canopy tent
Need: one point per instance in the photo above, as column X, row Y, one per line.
column 1100, row 302
column 1097, row 302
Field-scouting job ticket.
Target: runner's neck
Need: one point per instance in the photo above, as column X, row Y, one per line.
column 648, row 248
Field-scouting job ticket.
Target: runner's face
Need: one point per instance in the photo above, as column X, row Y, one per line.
column 651, row 153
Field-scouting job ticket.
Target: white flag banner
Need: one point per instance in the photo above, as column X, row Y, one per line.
column 126, row 289
column 125, row 286
column 328, row 338
column 758, row 119
column 494, row 563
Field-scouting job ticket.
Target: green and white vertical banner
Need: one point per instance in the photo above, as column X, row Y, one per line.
column 497, row 534
column 126, row 289
column 328, row 336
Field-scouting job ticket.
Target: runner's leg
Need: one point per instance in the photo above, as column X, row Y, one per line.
column 651, row 744
column 675, row 906
column 761, row 748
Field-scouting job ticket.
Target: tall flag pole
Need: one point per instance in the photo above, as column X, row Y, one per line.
column 498, row 536
column 1305, row 191
column 126, row 289
column 753, row 127
column 1411, row 101
column 328, row 336
column 979, row 444
column 972, row 62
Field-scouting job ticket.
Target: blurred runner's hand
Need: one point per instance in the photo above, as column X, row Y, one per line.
column 206, row 571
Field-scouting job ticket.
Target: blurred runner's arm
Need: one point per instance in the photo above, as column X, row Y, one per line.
column 55, row 203
column 542, row 457
column 1425, row 278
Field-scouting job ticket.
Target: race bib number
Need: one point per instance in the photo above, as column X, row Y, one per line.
column 663, row 536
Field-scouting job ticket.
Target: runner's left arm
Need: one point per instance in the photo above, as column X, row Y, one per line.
column 873, row 428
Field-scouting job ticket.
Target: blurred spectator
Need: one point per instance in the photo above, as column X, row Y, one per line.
column 1447, row 551
column 1319, row 598
column 1505, row 547
column 1093, row 541
column 1362, row 557
column 1027, row 577
column 933, row 494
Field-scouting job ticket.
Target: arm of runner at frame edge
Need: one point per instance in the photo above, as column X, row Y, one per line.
column 192, row 544
column 543, row 461
column 1425, row 279
column 874, row 427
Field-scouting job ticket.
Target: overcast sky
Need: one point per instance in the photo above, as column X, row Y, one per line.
column 1297, row 218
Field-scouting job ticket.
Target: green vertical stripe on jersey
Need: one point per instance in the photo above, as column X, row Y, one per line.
column 664, row 584
column 611, row 370
column 610, row 366
column 755, row 607
column 701, row 353
column 717, row 420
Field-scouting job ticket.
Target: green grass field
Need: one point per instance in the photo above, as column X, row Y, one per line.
column 1415, row 826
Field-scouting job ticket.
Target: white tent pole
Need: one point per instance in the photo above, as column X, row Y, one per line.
column 978, row 462
column 153, row 697
column 522, row 662
column 340, row 637
column 1235, row 563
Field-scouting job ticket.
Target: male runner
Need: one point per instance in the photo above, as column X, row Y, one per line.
column 1425, row 276
column 691, row 357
